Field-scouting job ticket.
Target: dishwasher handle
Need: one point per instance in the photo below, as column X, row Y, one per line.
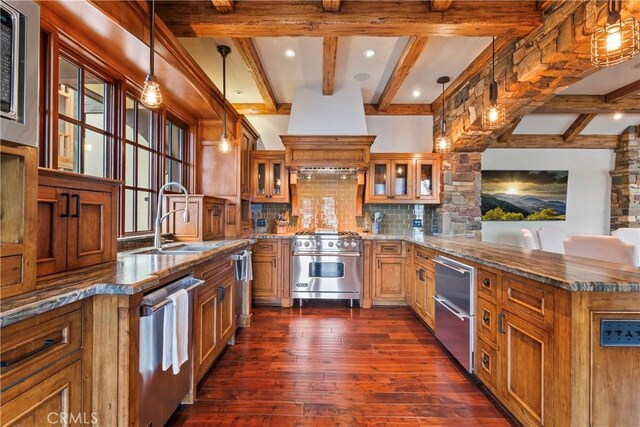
column 443, row 263
column 446, row 304
column 152, row 309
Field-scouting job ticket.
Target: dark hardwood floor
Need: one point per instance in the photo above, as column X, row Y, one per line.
column 329, row 365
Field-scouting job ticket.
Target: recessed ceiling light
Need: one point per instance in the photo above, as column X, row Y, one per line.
column 368, row 53
column 238, row 92
column 617, row 116
column 289, row 53
column 416, row 93
column 361, row 77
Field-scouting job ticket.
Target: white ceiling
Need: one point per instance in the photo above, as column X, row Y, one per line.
column 557, row 124
column 608, row 79
column 441, row 56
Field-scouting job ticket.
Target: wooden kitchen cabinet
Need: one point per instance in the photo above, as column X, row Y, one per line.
column 207, row 218
column 214, row 312
column 18, row 219
column 404, row 178
column 43, row 369
column 270, row 178
column 77, row 221
column 248, row 140
column 424, row 304
column 268, row 272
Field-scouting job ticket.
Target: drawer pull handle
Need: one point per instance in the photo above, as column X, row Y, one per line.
column 486, row 282
column 389, row 248
column 45, row 345
column 264, row 247
column 500, row 319
column 77, row 197
column 485, row 361
column 486, row 318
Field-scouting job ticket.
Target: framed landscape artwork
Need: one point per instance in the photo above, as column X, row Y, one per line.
column 524, row 195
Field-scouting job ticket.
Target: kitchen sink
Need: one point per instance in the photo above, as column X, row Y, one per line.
column 180, row 249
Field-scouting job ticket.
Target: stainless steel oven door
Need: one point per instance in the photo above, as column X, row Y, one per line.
column 327, row 276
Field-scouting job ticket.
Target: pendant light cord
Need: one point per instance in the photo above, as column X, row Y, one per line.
column 493, row 59
column 152, row 26
column 443, row 125
column 224, row 96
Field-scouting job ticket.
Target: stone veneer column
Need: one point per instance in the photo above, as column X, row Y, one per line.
column 625, row 182
column 459, row 213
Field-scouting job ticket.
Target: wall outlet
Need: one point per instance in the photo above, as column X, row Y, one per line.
column 619, row 333
column 417, row 223
column 261, row 222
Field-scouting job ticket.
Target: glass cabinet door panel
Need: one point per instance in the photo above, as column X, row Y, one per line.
column 276, row 178
column 380, row 179
column 426, row 176
column 400, row 185
column 68, row 146
column 262, row 178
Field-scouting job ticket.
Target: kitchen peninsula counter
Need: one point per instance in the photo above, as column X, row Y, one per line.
column 132, row 273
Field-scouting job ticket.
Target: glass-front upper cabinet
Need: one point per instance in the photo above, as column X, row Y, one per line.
column 428, row 180
column 379, row 180
column 400, row 179
column 270, row 179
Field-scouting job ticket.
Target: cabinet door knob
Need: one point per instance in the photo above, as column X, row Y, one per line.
column 486, row 318
column 485, row 361
column 486, row 282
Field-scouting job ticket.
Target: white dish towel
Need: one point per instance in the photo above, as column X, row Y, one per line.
column 248, row 276
column 175, row 343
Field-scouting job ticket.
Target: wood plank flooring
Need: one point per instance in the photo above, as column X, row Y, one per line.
column 328, row 365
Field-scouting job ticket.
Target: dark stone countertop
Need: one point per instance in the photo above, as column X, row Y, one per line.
column 566, row 272
column 130, row 274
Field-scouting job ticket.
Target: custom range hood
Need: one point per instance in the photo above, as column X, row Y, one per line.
column 327, row 135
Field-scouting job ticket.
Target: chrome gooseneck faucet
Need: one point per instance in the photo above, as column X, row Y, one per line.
column 157, row 240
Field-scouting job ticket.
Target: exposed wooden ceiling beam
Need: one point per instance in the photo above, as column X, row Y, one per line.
column 588, row 104
column 329, row 52
column 271, row 18
column 623, row 92
column 369, row 109
column 474, row 68
column 331, row 5
column 223, row 6
column 577, row 126
column 556, row 141
column 543, row 4
column 251, row 58
column 507, row 134
column 439, row 5
column 410, row 55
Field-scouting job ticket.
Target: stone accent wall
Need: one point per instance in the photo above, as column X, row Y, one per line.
column 459, row 213
column 625, row 182
column 529, row 71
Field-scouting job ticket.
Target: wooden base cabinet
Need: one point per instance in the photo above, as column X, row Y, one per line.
column 77, row 221
column 214, row 313
column 423, row 277
column 389, row 273
column 269, row 272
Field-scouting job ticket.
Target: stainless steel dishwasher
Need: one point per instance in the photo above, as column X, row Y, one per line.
column 161, row 391
column 455, row 309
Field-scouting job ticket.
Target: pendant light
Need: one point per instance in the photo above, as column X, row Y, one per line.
column 443, row 143
column 225, row 144
column 616, row 41
column 493, row 115
column 151, row 96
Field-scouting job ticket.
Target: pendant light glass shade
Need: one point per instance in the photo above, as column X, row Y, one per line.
column 151, row 95
column 225, row 144
column 442, row 142
column 494, row 115
column 617, row 41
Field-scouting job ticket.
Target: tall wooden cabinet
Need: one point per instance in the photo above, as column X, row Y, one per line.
column 404, row 178
column 77, row 221
column 18, row 223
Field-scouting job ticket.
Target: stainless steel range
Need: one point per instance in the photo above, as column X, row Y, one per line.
column 327, row 265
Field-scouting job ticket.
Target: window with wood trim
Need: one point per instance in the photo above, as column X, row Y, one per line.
column 141, row 160
column 85, row 125
column 178, row 154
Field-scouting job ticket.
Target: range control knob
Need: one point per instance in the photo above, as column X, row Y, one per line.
column 330, row 244
column 318, row 244
column 338, row 244
column 307, row 244
column 354, row 244
column 298, row 243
